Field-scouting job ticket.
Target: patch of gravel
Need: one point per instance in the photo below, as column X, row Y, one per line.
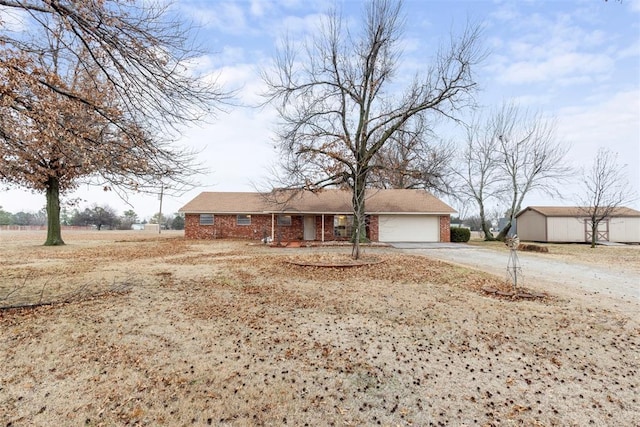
column 615, row 283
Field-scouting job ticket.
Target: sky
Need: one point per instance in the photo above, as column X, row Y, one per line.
column 577, row 62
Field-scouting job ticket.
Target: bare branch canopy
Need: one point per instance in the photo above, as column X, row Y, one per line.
column 340, row 103
column 604, row 189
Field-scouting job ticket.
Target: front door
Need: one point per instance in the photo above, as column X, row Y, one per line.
column 309, row 228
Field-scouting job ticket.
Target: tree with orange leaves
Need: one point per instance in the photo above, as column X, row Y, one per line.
column 95, row 91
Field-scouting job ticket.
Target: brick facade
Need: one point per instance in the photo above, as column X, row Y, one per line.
column 226, row 227
column 445, row 228
column 373, row 228
column 328, row 228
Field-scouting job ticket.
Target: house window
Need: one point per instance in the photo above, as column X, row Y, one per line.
column 206, row 219
column 343, row 225
column 284, row 220
column 244, row 220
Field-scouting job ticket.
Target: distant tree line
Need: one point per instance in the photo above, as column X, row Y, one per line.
column 101, row 217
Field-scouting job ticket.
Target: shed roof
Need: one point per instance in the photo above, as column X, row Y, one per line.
column 326, row 201
column 577, row 211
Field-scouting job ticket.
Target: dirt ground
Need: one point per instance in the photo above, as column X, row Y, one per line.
column 157, row 330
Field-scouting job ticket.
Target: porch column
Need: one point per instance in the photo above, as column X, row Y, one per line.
column 273, row 227
column 322, row 228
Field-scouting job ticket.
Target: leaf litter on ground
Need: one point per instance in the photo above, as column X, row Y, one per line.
column 225, row 334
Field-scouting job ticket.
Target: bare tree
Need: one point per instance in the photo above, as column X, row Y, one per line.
column 336, row 105
column 529, row 156
column 413, row 158
column 479, row 173
column 506, row 156
column 605, row 190
column 95, row 91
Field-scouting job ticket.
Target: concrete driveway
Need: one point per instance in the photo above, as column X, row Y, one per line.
column 538, row 272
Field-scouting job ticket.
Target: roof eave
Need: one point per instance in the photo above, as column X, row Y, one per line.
column 286, row 212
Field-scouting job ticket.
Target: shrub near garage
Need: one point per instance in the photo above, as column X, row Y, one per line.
column 460, row 235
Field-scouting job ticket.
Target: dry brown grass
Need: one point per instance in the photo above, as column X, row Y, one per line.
column 221, row 333
column 627, row 255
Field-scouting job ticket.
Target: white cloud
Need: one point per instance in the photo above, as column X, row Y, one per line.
column 257, row 7
column 555, row 47
column 532, row 101
column 410, row 45
column 610, row 122
column 227, row 17
column 633, row 50
column 230, row 55
column 506, row 12
column 563, row 68
column 295, row 25
column 246, row 78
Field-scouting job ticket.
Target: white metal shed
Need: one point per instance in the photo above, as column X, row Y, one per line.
column 569, row 224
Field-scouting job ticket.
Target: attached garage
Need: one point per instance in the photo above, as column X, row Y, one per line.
column 409, row 228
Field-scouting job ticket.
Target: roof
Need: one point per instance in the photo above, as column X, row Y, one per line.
column 577, row 211
column 326, row 201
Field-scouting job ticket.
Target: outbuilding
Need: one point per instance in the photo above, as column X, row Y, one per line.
column 570, row 224
column 325, row 215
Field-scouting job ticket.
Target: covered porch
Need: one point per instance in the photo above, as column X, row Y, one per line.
column 316, row 227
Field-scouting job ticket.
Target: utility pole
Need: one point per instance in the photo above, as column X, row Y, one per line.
column 160, row 213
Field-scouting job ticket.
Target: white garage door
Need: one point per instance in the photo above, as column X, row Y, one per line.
column 409, row 228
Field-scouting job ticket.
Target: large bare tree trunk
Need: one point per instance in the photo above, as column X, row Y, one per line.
column 504, row 232
column 488, row 236
column 359, row 218
column 54, row 236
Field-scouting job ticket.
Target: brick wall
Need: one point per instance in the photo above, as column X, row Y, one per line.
column 328, row 228
column 445, row 228
column 373, row 228
column 226, row 227
column 287, row 233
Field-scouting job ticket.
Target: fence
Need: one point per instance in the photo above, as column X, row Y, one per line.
column 43, row 227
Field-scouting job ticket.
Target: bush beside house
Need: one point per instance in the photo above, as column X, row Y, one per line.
column 460, row 235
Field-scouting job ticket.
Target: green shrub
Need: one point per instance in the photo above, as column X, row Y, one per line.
column 460, row 235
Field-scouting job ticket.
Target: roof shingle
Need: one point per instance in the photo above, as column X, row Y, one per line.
column 577, row 211
column 327, row 201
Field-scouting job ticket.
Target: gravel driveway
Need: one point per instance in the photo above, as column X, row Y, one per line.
column 538, row 272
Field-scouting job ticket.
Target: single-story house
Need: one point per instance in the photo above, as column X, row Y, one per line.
column 570, row 224
column 326, row 215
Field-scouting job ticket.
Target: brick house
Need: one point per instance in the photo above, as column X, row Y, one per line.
column 327, row 215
